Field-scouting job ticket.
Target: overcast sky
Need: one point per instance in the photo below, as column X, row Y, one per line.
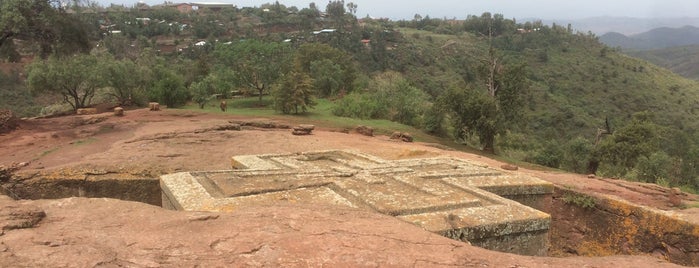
column 543, row 9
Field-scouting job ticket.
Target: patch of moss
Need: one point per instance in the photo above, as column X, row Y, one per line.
column 580, row 200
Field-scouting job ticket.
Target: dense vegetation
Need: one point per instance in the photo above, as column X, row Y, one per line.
column 527, row 91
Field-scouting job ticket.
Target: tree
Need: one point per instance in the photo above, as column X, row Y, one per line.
column 76, row 78
column 202, row 92
column 308, row 17
column 352, row 8
column 619, row 153
column 336, row 10
column 214, row 84
column 168, row 87
column 295, row 92
column 44, row 22
column 125, row 80
column 576, row 155
column 494, row 110
column 333, row 69
column 22, row 17
column 472, row 111
column 258, row 64
column 327, row 76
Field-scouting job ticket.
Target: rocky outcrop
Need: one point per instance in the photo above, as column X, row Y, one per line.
column 86, row 111
column 403, row 136
column 80, row 232
column 365, row 130
column 592, row 226
column 261, row 124
column 301, row 130
column 14, row 215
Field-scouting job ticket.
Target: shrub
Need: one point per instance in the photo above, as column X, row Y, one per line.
column 169, row 89
column 550, row 155
column 389, row 96
column 576, row 155
column 655, row 168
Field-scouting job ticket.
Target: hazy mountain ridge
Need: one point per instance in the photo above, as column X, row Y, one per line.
column 623, row 25
column 658, row 38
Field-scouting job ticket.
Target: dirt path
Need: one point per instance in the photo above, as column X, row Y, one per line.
column 176, row 140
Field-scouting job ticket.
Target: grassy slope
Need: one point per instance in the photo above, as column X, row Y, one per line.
column 681, row 60
column 320, row 115
column 582, row 88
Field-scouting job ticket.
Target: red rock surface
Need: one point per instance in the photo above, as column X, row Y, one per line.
column 79, row 232
column 144, row 144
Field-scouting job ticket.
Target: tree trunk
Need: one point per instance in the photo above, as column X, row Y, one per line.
column 259, row 92
column 592, row 166
column 489, row 145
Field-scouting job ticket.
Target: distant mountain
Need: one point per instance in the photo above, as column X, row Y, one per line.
column 681, row 60
column 623, row 25
column 654, row 39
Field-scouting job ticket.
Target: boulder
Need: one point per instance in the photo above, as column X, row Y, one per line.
column 675, row 197
column 509, row 167
column 303, row 130
column 8, row 121
column 365, row 130
column 118, row 111
column 307, row 127
column 407, row 137
column 404, row 136
column 154, row 106
column 85, row 111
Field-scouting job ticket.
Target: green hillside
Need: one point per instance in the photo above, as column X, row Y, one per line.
column 681, row 60
column 526, row 91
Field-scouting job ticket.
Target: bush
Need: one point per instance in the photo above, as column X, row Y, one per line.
column 655, row 168
column 550, row 155
column 169, row 89
column 434, row 121
column 358, row 105
column 576, row 155
column 389, row 96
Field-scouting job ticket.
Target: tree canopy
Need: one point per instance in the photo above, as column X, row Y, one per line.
column 76, row 78
column 258, row 64
column 43, row 22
